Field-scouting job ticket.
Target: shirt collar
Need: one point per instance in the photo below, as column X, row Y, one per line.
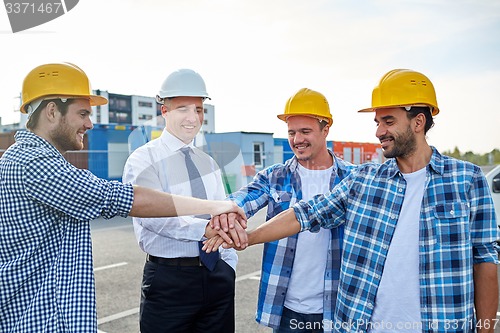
column 436, row 164
column 27, row 136
column 173, row 142
column 293, row 163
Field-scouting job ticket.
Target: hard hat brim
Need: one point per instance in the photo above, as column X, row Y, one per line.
column 95, row 100
column 284, row 117
column 434, row 111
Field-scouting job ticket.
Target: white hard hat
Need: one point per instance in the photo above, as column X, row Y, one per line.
column 182, row 82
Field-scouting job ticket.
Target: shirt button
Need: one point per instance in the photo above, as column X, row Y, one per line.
column 370, row 306
column 393, row 216
column 384, row 246
column 452, row 212
column 400, row 190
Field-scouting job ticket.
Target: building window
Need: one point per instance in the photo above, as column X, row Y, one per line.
column 205, row 111
column 145, row 104
column 258, row 152
column 120, row 102
column 119, row 117
column 98, row 114
column 120, row 109
column 205, row 122
column 145, row 117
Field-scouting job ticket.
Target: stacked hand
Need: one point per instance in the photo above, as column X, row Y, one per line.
column 227, row 230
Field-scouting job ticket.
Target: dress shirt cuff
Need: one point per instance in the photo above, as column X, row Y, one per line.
column 199, row 228
column 229, row 256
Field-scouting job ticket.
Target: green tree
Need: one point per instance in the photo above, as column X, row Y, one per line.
column 492, row 157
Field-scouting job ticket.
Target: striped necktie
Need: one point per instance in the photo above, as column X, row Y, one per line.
column 198, row 191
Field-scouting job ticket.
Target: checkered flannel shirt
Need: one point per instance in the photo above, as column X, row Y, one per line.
column 278, row 187
column 457, row 229
column 46, row 269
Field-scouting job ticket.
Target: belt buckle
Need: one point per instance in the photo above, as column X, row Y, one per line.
column 200, row 264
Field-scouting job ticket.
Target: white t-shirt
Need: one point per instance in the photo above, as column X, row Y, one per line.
column 397, row 304
column 306, row 286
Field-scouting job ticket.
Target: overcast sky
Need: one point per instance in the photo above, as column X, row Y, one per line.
column 254, row 54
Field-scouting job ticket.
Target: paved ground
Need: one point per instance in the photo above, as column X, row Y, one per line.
column 118, row 263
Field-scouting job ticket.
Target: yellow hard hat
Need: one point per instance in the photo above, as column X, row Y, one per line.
column 57, row 80
column 403, row 87
column 307, row 102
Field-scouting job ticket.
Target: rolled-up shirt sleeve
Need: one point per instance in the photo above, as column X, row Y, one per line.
column 324, row 211
column 483, row 223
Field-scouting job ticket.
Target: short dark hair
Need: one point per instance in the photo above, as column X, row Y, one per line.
column 416, row 110
column 61, row 106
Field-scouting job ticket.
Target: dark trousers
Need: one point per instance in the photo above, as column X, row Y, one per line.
column 294, row 322
column 187, row 299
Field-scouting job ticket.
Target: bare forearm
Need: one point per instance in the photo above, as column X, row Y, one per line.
column 485, row 296
column 151, row 203
column 283, row 225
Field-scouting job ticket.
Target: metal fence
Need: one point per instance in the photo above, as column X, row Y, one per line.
column 109, row 164
column 103, row 163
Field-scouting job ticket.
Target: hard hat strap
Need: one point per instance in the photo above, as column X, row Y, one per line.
column 34, row 105
column 159, row 99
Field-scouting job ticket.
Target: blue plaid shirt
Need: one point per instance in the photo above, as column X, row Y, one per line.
column 457, row 229
column 46, row 269
column 278, row 187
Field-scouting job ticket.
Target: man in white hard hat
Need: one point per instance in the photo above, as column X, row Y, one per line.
column 420, row 251
column 46, row 270
column 182, row 290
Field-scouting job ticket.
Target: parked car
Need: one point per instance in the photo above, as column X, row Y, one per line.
column 493, row 178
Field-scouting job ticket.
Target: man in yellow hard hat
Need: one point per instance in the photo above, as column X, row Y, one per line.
column 420, row 232
column 299, row 273
column 46, row 271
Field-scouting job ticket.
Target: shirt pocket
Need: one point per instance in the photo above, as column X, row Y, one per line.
column 279, row 201
column 452, row 224
column 281, row 197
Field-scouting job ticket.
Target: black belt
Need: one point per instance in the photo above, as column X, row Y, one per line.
column 187, row 261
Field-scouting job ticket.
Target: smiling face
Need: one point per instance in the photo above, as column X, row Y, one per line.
column 306, row 137
column 394, row 130
column 183, row 117
column 70, row 128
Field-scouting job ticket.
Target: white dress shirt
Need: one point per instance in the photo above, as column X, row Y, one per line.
column 160, row 165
